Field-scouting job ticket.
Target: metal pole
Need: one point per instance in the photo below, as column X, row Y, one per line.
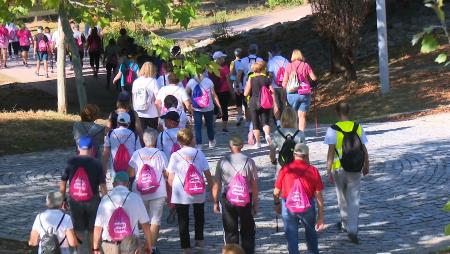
column 383, row 46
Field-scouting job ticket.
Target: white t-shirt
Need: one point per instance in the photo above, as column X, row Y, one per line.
column 274, row 65
column 207, row 86
column 183, row 118
column 176, row 91
column 178, row 164
column 55, row 38
column 50, row 219
column 331, row 139
column 119, row 136
column 155, row 159
column 149, row 86
column 245, row 66
column 163, row 81
column 134, row 207
column 168, row 138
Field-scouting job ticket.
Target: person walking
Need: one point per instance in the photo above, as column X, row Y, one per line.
column 41, row 51
column 120, row 144
column 260, row 114
column 125, row 209
column 237, row 86
column 203, row 98
column 299, row 187
column 344, row 169
column 85, row 176
column 187, row 169
column 80, row 41
column 173, row 88
column 88, row 128
column 110, row 60
column 144, row 92
column 53, row 221
column 237, row 176
column 13, row 46
column 284, row 139
column 167, row 139
column 4, row 41
column 171, row 104
column 222, row 86
column 25, row 40
column 276, row 67
column 147, row 170
column 94, row 47
column 123, row 105
column 299, row 93
column 128, row 72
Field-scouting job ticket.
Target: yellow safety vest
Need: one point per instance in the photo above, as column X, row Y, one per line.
column 346, row 126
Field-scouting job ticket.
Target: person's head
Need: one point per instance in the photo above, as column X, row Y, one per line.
column 238, row 53
column 129, row 245
column 123, row 119
column 185, row 137
column 123, row 31
column 39, row 29
column 112, row 42
column 121, row 179
column 219, row 57
column 253, row 49
column 76, row 27
column 167, row 67
column 173, row 79
column 170, row 102
column 236, row 143
column 342, row 109
column 90, row 113
column 123, row 100
column 47, row 30
column 171, row 119
column 297, row 55
column 259, row 67
column 275, row 50
column 232, row 249
column 54, row 200
column 85, row 145
column 148, row 70
column 72, row 24
column 94, row 31
column 301, row 150
column 150, row 136
column 289, row 118
column 175, row 51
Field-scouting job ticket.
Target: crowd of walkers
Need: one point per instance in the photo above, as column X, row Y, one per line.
column 152, row 147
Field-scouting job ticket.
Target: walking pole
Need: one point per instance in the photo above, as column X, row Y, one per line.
column 276, row 220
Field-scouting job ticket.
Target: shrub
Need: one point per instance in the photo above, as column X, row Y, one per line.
column 273, row 3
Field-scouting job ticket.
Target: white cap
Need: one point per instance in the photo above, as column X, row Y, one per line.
column 123, row 118
column 218, row 54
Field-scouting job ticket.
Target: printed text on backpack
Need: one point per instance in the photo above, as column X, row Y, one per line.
column 119, row 225
column 193, row 183
column 297, row 200
column 238, row 192
column 147, row 182
column 200, row 97
column 80, row 188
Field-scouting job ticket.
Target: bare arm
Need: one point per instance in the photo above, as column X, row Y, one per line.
column 209, row 179
column 216, row 99
column 216, row 189
column 62, row 187
column 319, row 223
column 103, row 189
column 330, row 160
column 248, row 87
column 188, row 106
column 148, row 235
column 34, row 238
column 105, row 158
column 71, row 238
column 239, row 75
column 138, row 126
column 272, row 153
column 170, row 179
column 97, row 238
column 366, row 161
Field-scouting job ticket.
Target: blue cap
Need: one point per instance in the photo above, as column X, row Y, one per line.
column 121, row 177
column 85, row 143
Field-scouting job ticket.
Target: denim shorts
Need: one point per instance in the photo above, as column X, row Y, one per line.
column 42, row 56
column 299, row 102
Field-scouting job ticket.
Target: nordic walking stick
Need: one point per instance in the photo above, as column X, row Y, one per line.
column 276, row 221
column 315, row 111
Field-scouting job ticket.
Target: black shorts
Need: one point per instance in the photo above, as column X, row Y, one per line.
column 260, row 117
column 25, row 48
column 241, row 101
column 83, row 213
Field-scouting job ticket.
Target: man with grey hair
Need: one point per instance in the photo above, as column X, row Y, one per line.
column 53, row 221
column 147, row 171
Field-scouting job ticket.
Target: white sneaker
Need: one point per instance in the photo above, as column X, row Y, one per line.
column 212, row 143
column 268, row 139
column 257, row 146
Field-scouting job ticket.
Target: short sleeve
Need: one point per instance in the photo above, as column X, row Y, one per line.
column 133, row 159
column 163, row 160
column 307, row 69
column 141, row 210
column 137, row 142
column 36, row 224
column 102, row 178
column 270, row 66
column 172, row 163
column 330, row 137
column 68, row 224
column 318, row 180
column 161, row 94
column 253, row 168
column 158, row 142
column 100, row 219
column 154, row 89
column 65, row 174
column 183, row 95
column 202, row 162
column 364, row 137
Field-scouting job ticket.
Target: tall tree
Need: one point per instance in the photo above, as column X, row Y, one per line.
column 340, row 21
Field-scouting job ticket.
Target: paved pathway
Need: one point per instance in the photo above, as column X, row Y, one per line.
column 400, row 205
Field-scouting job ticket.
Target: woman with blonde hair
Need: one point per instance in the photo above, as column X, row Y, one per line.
column 144, row 91
column 298, row 94
column 260, row 116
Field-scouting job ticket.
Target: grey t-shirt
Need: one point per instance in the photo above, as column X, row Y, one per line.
column 229, row 165
column 91, row 129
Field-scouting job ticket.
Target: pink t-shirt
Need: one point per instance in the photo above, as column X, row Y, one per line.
column 24, row 37
column 4, row 37
column 224, row 73
column 303, row 70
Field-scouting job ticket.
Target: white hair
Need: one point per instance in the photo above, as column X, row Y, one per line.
column 150, row 137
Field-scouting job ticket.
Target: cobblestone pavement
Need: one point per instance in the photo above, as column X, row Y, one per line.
column 401, row 199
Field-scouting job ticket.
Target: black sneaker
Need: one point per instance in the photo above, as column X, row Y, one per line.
column 353, row 238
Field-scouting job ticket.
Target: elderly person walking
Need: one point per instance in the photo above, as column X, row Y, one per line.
column 147, row 170
column 299, row 93
column 55, row 220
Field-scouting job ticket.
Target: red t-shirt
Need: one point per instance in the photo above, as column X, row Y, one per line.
column 303, row 70
column 308, row 175
column 224, row 73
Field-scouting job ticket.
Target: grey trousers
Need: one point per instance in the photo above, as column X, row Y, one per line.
column 347, row 190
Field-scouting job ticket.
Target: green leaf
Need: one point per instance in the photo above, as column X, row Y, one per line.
column 441, row 58
column 447, row 207
column 447, row 230
column 429, row 44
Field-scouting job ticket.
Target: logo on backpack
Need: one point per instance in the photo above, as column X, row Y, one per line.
column 140, row 99
column 265, row 98
column 286, row 154
column 200, row 97
column 80, row 187
column 353, row 156
column 297, row 200
column 193, row 184
column 49, row 242
column 147, row 182
column 280, row 74
column 42, row 45
column 237, row 191
column 122, row 157
column 119, row 225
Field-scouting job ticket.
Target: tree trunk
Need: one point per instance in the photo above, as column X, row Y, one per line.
column 341, row 62
column 76, row 61
column 61, row 71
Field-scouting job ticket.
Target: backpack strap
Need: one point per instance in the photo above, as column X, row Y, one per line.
column 336, row 128
column 355, row 127
column 182, row 182
column 281, row 133
column 125, row 200
column 237, row 171
column 60, row 221
column 169, row 137
column 295, row 134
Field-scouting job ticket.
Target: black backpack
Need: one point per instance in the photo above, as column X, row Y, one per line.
column 49, row 241
column 352, row 159
column 286, row 154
